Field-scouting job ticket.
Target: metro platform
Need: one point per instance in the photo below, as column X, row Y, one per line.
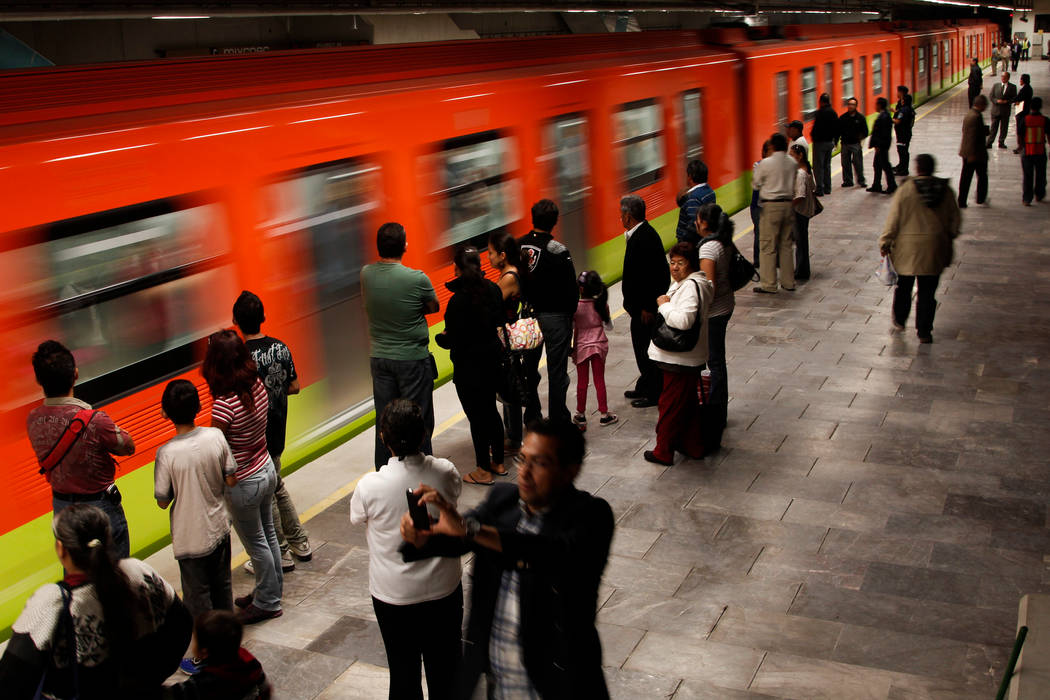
column 875, row 513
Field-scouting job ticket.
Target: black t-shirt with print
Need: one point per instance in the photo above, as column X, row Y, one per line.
column 277, row 372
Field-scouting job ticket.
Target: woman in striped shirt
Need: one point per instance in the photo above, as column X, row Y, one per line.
column 239, row 411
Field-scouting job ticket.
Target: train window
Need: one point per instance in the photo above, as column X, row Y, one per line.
column 640, row 143
column 947, row 53
column 478, row 194
column 922, row 60
column 933, row 55
column 692, row 124
column 782, row 99
column 876, row 74
column 125, row 288
column 889, row 67
column 847, row 80
column 829, row 80
column 809, row 92
column 319, row 215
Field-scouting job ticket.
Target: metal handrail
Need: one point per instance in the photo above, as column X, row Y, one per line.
column 1005, row 685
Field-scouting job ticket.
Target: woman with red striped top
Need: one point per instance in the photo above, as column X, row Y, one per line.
column 239, row 412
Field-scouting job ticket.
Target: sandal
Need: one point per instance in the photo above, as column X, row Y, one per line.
column 470, row 479
column 496, row 472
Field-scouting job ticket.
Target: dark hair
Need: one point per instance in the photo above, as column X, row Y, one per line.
column 502, row 242
column 390, row 240
column 634, row 205
column 84, row 532
column 402, row 427
column 468, row 265
column 719, row 225
column 881, row 103
column 687, row 250
column 925, row 164
column 697, row 171
column 779, row 142
column 219, row 632
column 54, row 367
column 799, row 148
column 1025, row 78
column 592, row 287
column 980, row 99
column 544, row 215
column 228, row 367
column 824, row 99
column 181, row 401
column 796, row 124
column 248, row 313
column 1036, row 103
column 902, row 89
column 570, row 445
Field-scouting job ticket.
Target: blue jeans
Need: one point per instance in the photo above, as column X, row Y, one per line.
column 118, row 522
column 557, row 338
column 716, row 362
column 403, row 379
column 252, row 513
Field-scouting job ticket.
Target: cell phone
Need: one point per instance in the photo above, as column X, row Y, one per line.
column 418, row 511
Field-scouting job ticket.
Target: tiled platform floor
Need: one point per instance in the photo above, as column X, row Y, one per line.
column 866, row 532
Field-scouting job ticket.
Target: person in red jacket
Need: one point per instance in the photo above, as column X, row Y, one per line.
column 229, row 670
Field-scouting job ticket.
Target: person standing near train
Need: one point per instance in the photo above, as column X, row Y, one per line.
column 903, row 121
column 853, row 129
column 75, row 445
column 1003, row 95
column 975, row 80
column 974, row 153
column 689, row 202
column 775, row 181
column 881, row 137
column 825, row 134
column 397, row 301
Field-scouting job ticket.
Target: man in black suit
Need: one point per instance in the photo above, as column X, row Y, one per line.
column 1004, row 94
column 974, row 81
column 540, row 548
column 646, row 276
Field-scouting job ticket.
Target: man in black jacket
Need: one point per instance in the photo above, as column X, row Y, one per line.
column 550, row 287
column 903, row 121
column 881, row 137
column 975, row 80
column 853, row 128
column 540, row 549
column 1024, row 98
column 646, row 276
column 824, row 134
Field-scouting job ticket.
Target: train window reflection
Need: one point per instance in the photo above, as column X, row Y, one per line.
column 639, row 141
column 847, row 80
column 478, row 194
column 922, row 60
column 809, row 92
column 782, row 99
column 876, row 74
column 320, row 215
column 692, row 125
column 567, row 143
column 829, row 80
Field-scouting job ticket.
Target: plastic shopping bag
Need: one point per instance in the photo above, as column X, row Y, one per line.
column 885, row 272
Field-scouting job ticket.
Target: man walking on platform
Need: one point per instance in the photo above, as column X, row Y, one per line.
column 881, row 137
column 825, row 133
column 1024, row 98
column 698, row 194
column 1004, row 93
column 645, row 277
column 853, row 129
column 1033, row 162
column 903, row 121
column 974, row 153
column 775, row 182
column 551, row 289
column 974, row 81
column 397, row 301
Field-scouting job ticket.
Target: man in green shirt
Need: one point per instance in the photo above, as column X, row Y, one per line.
column 397, row 300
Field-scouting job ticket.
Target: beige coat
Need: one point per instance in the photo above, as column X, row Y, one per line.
column 917, row 237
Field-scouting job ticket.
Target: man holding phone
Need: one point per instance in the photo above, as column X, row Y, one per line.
column 418, row 605
column 540, row 548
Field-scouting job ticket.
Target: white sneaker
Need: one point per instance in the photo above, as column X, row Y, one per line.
column 287, row 563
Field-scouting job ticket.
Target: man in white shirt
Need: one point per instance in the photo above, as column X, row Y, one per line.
column 775, row 182
column 794, row 132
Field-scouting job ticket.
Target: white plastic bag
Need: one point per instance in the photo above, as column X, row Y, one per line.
column 885, row 272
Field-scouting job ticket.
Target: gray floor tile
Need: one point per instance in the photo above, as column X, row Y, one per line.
column 771, row 631
column 684, row 657
column 797, row 676
column 659, row 613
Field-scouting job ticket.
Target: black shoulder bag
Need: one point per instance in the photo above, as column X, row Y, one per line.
column 673, row 339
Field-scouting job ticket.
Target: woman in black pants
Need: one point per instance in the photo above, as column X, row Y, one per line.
column 472, row 316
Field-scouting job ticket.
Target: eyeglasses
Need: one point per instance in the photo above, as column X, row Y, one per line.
column 522, row 462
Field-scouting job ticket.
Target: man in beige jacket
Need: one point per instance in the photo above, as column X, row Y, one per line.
column 924, row 220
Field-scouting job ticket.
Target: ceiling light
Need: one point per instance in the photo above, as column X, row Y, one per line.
column 181, row 17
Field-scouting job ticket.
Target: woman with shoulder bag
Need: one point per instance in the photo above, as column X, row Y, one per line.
column 683, row 308
column 806, row 207
column 129, row 628
column 716, row 249
column 472, row 318
column 504, row 256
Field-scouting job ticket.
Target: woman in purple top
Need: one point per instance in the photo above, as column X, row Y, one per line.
column 590, row 346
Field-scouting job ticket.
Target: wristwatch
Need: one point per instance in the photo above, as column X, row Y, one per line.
column 471, row 527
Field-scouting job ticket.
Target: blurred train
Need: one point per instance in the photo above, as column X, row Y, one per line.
column 139, row 198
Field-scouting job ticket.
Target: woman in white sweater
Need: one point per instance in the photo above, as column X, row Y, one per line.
column 686, row 303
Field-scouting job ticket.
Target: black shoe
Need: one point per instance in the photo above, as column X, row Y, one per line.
column 1017, row 150
column 643, row 402
column 633, row 394
column 863, row 184
column 878, row 190
column 890, row 190
column 845, row 184
column 1002, row 145
column 818, row 193
column 963, row 205
column 251, row 614
column 245, row 600
column 759, row 290
column 650, row 456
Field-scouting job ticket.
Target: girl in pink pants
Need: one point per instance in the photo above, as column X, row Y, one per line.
column 590, row 346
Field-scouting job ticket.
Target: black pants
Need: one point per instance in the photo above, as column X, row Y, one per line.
column 973, row 93
column 1034, row 169
column 1000, row 124
column 431, row 631
column 902, row 158
column 651, row 380
column 476, row 387
column 968, row 170
column 925, row 304
column 206, row 580
column 882, row 165
column 557, row 339
column 756, row 216
column 801, row 233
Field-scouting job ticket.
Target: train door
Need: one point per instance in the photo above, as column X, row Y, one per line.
column 566, row 146
column 320, row 216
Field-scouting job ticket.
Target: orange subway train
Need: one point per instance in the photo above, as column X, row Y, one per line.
column 139, row 198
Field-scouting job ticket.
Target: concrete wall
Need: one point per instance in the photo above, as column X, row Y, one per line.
column 402, row 29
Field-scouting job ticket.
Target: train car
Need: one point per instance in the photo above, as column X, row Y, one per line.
column 139, row 199
column 927, row 54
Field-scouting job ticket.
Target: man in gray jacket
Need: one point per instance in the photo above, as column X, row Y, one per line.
column 1004, row 94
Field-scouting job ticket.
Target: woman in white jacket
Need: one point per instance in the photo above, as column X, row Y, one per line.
column 687, row 302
